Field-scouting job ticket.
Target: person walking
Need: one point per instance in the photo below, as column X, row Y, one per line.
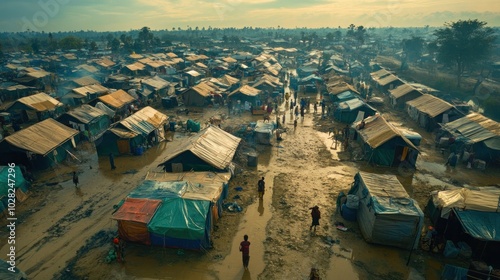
column 261, row 186
column 315, row 215
column 112, row 161
column 245, row 251
column 75, row 179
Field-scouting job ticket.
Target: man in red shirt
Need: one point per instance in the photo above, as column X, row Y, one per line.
column 245, row 251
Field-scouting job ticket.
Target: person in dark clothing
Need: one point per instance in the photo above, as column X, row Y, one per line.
column 245, row 251
column 112, row 161
column 75, row 179
column 315, row 215
column 261, row 186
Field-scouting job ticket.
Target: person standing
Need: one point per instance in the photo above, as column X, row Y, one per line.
column 261, row 186
column 245, row 251
column 112, row 161
column 75, row 179
column 315, row 215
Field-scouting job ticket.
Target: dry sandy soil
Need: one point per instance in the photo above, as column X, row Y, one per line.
column 65, row 233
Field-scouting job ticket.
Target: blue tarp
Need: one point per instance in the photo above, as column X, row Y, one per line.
column 480, row 225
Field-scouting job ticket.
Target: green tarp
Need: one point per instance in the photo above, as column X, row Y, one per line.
column 18, row 180
column 181, row 218
column 480, row 225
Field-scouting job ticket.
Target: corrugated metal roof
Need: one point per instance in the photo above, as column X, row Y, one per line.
column 40, row 102
column 136, row 66
column 246, row 90
column 85, row 81
column 430, row 105
column 474, row 127
column 204, row 89
column 86, row 113
column 213, row 145
column 43, row 137
column 144, row 121
column 229, row 59
column 88, row 68
column 377, row 131
column 105, row 62
column 351, row 104
column 382, row 185
column 123, row 133
column 156, row 82
column 387, row 80
column 228, row 80
column 193, row 73
column 340, row 88
column 117, row 99
column 379, row 74
column 92, row 89
column 403, row 90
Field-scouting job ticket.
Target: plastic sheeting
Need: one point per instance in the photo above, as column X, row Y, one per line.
column 181, row 218
column 159, row 190
column 480, row 225
column 264, row 132
column 386, row 214
column 462, row 198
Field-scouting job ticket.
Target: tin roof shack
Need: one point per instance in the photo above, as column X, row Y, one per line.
column 246, row 93
column 341, row 91
column 348, row 111
column 39, row 146
column 198, row 95
column 386, row 214
column 36, row 107
column 117, row 101
column 477, row 134
column 92, row 122
column 402, row 94
column 428, row 111
column 469, row 215
column 212, row 149
column 192, row 77
column 131, row 135
column 383, row 144
column 388, row 82
column 155, row 85
column 85, row 94
column 36, row 77
column 12, row 91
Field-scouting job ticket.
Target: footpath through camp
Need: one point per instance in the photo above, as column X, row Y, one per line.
column 65, row 232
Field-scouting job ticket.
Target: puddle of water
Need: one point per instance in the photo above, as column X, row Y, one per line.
column 253, row 223
column 341, row 268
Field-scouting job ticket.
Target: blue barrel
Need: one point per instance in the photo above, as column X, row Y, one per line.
column 348, row 213
column 139, row 150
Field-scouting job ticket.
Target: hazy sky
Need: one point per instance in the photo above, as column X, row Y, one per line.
column 122, row 15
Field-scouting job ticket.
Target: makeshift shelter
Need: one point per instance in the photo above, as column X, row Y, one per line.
column 348, row 111
column 402, row 94
column 383, row 144
column 480, row 134
column 36, row 107
column 198, row 95
column 212, row 149
column 133, row 217
column 92, row 122
column 117, row 100
column 131, row 135
column 388, row 82
column 246, row 93
column 264, row 131
column 173, row 210
column 469, row 215
column 39, row 146
column 428, row 111
column 386, row 213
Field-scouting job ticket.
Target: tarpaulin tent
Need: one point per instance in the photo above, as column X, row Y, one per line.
column 263, row 132
column 182, row 223
column 386, row 214
column 133, row 217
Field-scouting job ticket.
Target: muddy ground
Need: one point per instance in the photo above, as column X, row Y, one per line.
column 65, row 232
